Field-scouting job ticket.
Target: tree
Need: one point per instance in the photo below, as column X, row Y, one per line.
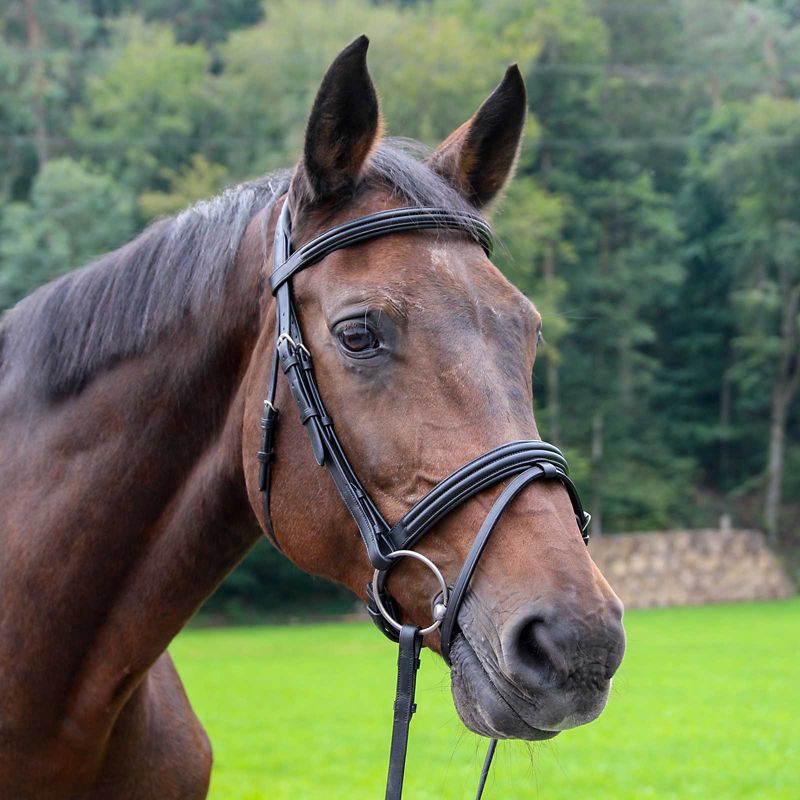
column 591, row 98
column 208, row 21
column 147, row 109
column 738, row 53
column 759, row 175
column 530, row 231
column 199, row 179
column 46, row 45
column 73, row 215
column 16, row 120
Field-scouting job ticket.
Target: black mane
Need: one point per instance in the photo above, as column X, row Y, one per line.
column 120, row 305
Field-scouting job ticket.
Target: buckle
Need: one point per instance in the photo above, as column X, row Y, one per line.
column 285, row 337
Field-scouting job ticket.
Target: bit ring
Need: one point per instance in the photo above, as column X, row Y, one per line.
column 376, row 589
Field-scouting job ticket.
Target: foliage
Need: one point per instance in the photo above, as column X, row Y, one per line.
column 16, row 119
column 74, row 214
column 200, row 178
column 425, row 67
column 146, row 109
column 676, row 722
column 206, row 20
column 271, row 585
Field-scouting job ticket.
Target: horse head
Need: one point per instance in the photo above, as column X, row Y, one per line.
column 423, row 353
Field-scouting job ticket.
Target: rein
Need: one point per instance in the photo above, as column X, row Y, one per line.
column 524, row 461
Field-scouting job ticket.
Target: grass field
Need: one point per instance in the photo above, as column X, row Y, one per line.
column 706, row 705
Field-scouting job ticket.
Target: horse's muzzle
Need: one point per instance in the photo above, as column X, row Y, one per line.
column 546, row 670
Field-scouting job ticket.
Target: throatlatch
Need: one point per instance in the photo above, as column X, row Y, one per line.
column 523, row 461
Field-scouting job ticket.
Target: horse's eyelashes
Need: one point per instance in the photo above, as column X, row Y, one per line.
column 358, row 338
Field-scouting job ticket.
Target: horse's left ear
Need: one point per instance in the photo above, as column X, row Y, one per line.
column 479, row 157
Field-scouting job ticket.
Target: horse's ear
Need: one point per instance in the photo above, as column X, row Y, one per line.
column 479, row 157
column 343, row 127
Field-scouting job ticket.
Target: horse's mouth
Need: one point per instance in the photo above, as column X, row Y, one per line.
column 492, row 706
column 483, row 708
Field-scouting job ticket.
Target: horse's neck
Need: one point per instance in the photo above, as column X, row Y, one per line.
column 125, row 507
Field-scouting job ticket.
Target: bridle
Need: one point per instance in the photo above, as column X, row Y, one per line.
column 523, row 461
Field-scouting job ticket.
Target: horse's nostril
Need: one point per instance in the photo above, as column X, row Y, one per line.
column 538, row 650
column 547, row 651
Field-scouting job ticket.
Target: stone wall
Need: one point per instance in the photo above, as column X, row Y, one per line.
column 690, row 567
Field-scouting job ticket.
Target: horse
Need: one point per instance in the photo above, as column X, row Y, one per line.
column 131, row 393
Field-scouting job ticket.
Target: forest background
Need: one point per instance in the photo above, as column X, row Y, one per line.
column 655, row 217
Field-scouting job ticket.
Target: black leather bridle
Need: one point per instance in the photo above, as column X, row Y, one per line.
column 522, row 461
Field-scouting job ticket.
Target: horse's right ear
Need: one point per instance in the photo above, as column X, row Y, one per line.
column 343, row 128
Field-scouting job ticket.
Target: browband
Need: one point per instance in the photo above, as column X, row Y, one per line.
column 382, row 223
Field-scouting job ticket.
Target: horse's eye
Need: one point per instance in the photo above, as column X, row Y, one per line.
column 358, row 338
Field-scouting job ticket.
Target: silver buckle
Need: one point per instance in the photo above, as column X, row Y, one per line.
column 284, row 337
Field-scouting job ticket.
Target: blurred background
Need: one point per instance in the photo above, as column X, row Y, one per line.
column 655, row 221
column 655, row 217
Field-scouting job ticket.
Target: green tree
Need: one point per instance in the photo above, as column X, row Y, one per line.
column 620, row 264
column 147, row 109
column 759, row 175
column 16, row 120
column 737, row 54
column 531, row 233
column 46, row 46
column 199, row 179
column 73, row 215
column 209, row 21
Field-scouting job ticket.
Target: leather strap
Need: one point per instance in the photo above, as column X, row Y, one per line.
column 487, row 765
column 458, row 593
column 383, row 223
column 404, row 707
column 475, row 476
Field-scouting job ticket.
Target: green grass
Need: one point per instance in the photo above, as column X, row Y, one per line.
column 706, row 705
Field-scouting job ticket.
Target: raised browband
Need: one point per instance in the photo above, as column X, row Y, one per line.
column 396, row 220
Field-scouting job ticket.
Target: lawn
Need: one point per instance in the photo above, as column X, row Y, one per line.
column 706, row 705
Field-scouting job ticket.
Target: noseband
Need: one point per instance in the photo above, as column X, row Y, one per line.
column 522, row 461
